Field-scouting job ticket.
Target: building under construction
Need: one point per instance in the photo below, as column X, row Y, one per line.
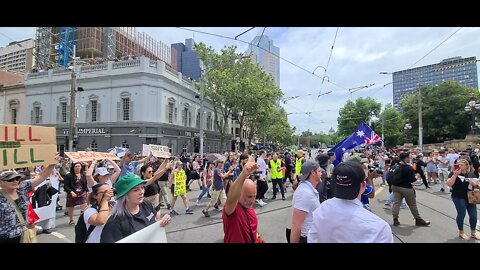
column 54, row 45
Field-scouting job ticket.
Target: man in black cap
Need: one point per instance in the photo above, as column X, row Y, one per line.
column 343, row 219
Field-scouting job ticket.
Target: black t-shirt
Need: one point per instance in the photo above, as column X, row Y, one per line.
column 164, row 177
column 152, row 189
column 119, row 227
column 460, row 188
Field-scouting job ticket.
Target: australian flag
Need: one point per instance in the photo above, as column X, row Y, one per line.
column 363, row 135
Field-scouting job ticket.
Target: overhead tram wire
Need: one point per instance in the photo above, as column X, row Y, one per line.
column 326, row 68
column 436, row 47
column 249, row 43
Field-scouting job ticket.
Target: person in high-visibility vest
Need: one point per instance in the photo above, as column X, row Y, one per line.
column 179, row 188
column 276, row 170
column 298, row 167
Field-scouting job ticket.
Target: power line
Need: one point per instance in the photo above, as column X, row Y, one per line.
column 258, row 43
column 326, row 68
column 436, row 47
column 249, row 43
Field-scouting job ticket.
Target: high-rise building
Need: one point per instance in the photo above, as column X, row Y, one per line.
column 17, row 56
column 185, row 59
column 461, row 70
column 266, row 55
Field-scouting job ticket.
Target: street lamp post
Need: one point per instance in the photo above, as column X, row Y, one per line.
column 73, row 90
column 407, row 126
column 473, row 106
column 202, row 71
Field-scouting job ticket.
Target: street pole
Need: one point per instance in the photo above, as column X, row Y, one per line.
column 420, row 120
column 202, row 67
column 383, row 129
column 71, row 130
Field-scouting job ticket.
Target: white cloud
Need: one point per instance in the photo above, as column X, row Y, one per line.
column 359, row 54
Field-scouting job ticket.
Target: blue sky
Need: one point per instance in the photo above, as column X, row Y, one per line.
column 359, row 55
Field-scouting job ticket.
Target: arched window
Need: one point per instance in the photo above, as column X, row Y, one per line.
column 14, row 106
column 93, row 109
column 171, row 111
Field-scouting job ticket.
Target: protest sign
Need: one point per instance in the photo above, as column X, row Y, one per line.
column 150, row 234
column 87, row 156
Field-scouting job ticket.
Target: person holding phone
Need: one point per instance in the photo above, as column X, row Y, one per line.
column 460, row 179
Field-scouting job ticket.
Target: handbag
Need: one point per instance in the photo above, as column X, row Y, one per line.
column 473, row 196
column 29, row 235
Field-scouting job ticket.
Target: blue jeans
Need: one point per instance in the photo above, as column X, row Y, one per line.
column 463, row 206
column 204, row 191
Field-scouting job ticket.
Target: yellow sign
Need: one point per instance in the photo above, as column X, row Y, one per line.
column 180, row 183
column 26, row 146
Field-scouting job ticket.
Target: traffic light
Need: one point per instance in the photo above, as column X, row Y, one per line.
column 196, row 143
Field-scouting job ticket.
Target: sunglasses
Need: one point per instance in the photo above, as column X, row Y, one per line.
column 149, row 171
column 14, row 179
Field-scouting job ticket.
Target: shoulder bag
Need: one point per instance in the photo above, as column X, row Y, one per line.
column 28, row 235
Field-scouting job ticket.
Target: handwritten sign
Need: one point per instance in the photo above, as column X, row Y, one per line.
column 87, row 156
column 26, row 146
column 145, row 150
column 160, row 151
column 150, row 234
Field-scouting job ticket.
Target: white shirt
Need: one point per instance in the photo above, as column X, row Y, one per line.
column 94, row 237
column 263, row 167
column 306, row 199
column 346, row 221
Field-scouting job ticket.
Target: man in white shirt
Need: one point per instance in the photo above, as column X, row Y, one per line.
column 305, row 201
column 343, row 219
column 262, row 185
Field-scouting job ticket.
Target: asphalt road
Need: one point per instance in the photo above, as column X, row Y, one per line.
column 433, row 205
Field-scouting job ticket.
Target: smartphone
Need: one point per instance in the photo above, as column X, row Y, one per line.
column 456, row 167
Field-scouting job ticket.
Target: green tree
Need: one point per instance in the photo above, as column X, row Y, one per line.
column 353, row 113
column 394, row 123
column 444, row 117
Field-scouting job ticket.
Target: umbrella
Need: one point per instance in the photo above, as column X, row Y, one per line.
column 215, row 157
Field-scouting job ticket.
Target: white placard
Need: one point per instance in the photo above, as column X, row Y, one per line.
column 145, row 150
column 151, row 234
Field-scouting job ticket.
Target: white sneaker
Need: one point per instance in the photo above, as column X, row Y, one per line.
column 387, row 206
column 258, row 202
column 197, row 203
column 403, row 206
column 263, row 203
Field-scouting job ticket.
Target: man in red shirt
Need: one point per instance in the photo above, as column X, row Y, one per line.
column 240, row 221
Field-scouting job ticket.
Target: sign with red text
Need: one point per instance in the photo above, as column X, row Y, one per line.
column 26, row 146
column 90, row 155
column 159, row 151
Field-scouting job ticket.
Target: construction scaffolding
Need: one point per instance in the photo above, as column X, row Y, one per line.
column 43, row 47
column 96, row 44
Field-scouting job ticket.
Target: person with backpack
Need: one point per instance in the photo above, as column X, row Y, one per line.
column 403, row 177
column 90, row 224
column 131, row 213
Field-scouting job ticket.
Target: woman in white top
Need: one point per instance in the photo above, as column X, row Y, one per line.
column 99, row 210
column 102, row 175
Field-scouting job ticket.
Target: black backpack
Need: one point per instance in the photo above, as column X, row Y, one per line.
column 81, row 232
column 393, row 176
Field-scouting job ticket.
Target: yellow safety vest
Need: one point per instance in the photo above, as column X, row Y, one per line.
column 298, row 166
column 180, row 183
column 276, row 170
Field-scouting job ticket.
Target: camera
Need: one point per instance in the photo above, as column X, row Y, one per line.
column 371, row 169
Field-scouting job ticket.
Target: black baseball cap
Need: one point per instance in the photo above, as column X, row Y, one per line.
column 347, row 179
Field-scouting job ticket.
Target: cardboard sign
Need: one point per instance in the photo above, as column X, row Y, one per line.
column 145, row 150
column 26, row 146
column 159, row 151
column 151, row 234
column 87, row 156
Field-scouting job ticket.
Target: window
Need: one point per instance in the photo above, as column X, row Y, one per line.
column 209, row 121
column 63, row 107
column 170, row 113
column 184, row 148
column 14, row 116
column 185, row 117
column 197, row 124
column 93, row 106
column 14, row 105
column 126, row 108
column 94, row 146
column 37, row 113
column 170, row 147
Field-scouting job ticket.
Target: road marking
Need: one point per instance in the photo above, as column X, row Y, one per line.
column 380, row 189
column 56, row 234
